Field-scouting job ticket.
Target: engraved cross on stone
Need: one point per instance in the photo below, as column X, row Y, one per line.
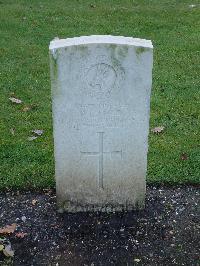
column 100, row 154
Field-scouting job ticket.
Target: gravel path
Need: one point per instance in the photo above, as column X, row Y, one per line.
column 165, row 233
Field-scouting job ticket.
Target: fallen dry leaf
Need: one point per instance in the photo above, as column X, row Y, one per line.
column 48, row 191
column 32, row 138
column 12, row 131
column 26, row 109
column 8, row 229
column 157, row 129
column 34, row 106
column 184, row 156
column 29, row 107
column 191, row 6
column 137, row 260
column 8, row 252
column 21, row 235
column 34, row 201
column 15, row 100
column 38, row 132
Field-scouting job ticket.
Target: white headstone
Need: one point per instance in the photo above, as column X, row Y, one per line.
column 101, row 101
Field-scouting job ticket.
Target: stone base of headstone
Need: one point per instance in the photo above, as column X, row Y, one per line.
column 71, row 207
column 107, row 209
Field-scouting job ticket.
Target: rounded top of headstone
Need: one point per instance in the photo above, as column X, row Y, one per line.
column 96, row 39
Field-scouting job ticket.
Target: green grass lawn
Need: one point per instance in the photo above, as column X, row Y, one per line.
column 27, row 27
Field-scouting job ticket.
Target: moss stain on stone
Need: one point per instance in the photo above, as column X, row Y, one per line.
column 140, row 50
column 118, row 53
column 82, row 50
column 122, row 51
column 114, row 55
column 54, row 65
column 54, row 71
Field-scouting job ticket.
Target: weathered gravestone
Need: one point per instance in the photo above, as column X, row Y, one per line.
column 101, row 99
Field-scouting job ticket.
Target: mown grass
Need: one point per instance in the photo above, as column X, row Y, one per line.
column 26, row 29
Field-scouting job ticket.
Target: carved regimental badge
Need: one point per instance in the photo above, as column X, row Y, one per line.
column 102, row 79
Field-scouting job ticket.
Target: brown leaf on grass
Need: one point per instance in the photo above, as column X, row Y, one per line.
column 30, row 107
column 8, row 252
column 192, row 6
column 32, row 138
column 21, row 235
column 26, row 109
column 15, row 100
column 8, row 229
column 38, row 132
column 34, row 106
column 184, row 156
column 157, row 129
column 12, row 131
column 34, row 201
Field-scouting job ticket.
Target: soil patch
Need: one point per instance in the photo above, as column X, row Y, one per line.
column 165, row 233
